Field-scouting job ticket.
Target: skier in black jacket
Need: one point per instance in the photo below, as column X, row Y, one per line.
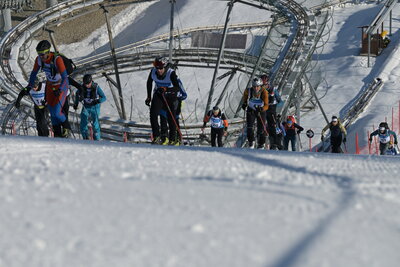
column 164, row 97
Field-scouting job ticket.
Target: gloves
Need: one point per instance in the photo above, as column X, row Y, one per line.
column 395, row 142
column 244, row 106
column 344, row 140
column 299, row 131
column 56, row 92
column 95, row 102
column 258, row 109
column 147, row 101
column 75, row 106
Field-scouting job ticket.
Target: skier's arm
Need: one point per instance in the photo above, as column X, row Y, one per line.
column 21, row 94
column 265, row 99
column 226, row 124
column 373, row 134
column 324, row 130
column 245, row 96
column 34, row 72
column 298, row 127
column 394, row 136
column 101, row 94
column 206, row 118
column 63, row 72
column 175, row 83
column 343, row 130
column 149, row 85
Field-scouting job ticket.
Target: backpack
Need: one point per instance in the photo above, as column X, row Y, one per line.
column 68, row 63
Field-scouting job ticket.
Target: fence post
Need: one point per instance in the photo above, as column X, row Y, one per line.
column 357, row 147
column 125, row 137
column 13, row 132
column 369, row 143
column 91, row 133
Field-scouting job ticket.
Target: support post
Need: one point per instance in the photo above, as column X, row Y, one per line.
column 53, row 41
column 112, row 47
column 112, row 83
column 369, row 49
column 390, row 23
column 220, row 52
column 316, row 99
column 6, row 17
column 225, row 88
column 171, row 30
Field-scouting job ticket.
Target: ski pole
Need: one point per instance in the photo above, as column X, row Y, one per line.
column 301, row 146
column 173, row 119
column 263, row 124
column 184, row 125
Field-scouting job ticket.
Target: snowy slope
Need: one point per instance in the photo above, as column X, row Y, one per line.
column 71, row 203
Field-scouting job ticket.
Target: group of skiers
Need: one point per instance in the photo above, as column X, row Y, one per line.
column 49, row 89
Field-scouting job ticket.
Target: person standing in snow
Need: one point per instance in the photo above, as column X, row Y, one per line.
column 56, row 86
column 292, row 129
column 276, row 133
column 38, row 96
column 338, row 134
column 273, row 100
column 219, row 125
column 164, row 97
column 255, row 102
column 91, row 95
column 385, row 135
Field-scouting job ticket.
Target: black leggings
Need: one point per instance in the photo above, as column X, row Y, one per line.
column 217, row 134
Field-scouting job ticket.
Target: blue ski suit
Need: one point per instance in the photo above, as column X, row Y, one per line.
column 91, row 98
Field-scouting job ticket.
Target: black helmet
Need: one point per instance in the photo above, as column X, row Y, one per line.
column 87, row 79
column 264, row 78
column 215, row 109
column 42, row 46
column 160, row 62
column 384, row 125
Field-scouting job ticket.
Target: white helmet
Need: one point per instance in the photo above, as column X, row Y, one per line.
column 257, row 82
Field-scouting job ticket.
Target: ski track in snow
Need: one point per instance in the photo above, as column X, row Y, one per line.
column 96, row 204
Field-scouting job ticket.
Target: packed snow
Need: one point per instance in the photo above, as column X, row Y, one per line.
column 86, row 203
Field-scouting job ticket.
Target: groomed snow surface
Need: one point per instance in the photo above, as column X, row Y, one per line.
column 81, row 203
column 77, row 203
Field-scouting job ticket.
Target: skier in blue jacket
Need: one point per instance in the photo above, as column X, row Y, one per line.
column 384, row 134
column 91, row 96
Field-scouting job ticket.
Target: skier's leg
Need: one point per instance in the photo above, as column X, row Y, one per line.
column 220, row 134
column 213, row 136
column 84, row 123
column 156, row 105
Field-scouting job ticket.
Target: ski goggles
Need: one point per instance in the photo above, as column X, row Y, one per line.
column 43, row 52
column 289, row 122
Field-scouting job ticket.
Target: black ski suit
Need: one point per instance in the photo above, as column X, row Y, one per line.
column 164, row 97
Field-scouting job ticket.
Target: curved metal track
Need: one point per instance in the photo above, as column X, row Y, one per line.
column 9, row 47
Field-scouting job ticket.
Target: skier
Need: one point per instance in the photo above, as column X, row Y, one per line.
column 255, row 100
column 37, row 94
column 181, row 95
column 276, row 133
column 273, row 100
column 338, row 134
column 219, row 125
column 91, row 96
column 384, row 134
column 164, row 97
column 56, row 86
column 290, row 128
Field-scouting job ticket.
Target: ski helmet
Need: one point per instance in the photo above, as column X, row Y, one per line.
column 87, row 79
column 41, row 77
column 334, row 118
column 43, row 47
column 160, row 62
column 384, row 125
column 215, row 109
column 256, row 82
